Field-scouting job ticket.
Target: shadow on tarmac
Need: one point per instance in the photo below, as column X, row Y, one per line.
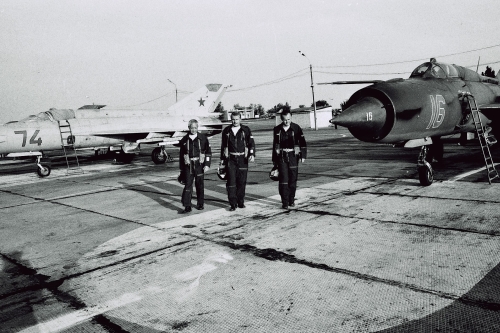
column 18, row 303
column 175, row 194
column 17, row 313
column 476, row 311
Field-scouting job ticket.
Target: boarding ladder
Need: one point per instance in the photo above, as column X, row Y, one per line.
column 68, row 144
column 485, row 141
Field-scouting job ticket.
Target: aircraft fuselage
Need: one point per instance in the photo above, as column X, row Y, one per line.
column 401, row 110
column 45, row 135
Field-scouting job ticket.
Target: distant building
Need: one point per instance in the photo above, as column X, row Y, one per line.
column 245, row 111
column 304, row 117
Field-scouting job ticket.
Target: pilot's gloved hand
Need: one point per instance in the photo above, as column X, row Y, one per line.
column 251, row 158
column 205, row 168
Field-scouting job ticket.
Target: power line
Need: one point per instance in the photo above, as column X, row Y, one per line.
column 358, row 73
column 129, row 106
column 287, row 77
column 152, row 100
column 303, row 72
column 407, row 61
column 486, row 63
column 395, row 73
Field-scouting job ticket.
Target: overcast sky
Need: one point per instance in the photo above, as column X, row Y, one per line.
column 64, row 54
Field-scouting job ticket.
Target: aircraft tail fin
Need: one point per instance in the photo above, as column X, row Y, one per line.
column 201, row 102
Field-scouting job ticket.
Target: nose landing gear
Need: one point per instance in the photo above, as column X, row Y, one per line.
column 43, row 166
column 432, row 153
column 425, row 172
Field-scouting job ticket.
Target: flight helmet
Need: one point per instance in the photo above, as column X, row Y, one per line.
column 274, row 173
column 221, row 172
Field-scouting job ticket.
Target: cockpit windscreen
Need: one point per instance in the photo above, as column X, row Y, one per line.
column 435, row 70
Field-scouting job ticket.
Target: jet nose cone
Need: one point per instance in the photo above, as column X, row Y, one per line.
column 365, row 119
column 3, row 134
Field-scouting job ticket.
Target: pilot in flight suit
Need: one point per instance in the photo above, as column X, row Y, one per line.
column 289, row 146
column 237, row 149
column 194, row 161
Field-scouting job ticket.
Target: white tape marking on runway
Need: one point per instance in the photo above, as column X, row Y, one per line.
column 196, row 272
column 467, row 174
column 76, row 317
column 193, row 274
column 189, row 279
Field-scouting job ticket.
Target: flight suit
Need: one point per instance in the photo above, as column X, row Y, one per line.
column 194, row 155
column 235, row 152
column 288, row 148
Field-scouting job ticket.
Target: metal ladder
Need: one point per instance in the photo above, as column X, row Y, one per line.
column 484, row 139
column 68, row 143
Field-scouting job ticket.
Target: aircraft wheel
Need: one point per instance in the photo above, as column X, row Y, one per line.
column 425, row 175
column 158, row 156
column 43, row 170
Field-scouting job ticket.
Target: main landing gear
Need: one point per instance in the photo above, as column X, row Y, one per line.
column 43, row 166
column 160, row 156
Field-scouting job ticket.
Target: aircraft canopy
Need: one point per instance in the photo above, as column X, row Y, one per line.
column 52, row 115
column 433, row 69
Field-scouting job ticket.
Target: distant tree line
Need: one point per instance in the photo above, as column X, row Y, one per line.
column 488, row 72
column 258, row 109
column 278, row 108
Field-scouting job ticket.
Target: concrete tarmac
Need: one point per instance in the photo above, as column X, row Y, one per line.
column 366, row 249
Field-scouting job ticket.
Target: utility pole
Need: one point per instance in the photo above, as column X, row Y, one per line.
column 312, row 88
column 175, row 89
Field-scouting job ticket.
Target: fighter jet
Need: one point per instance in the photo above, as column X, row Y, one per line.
column 437, row 100
column 94, row 127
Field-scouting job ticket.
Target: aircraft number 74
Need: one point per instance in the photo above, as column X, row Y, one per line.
column 32, row 140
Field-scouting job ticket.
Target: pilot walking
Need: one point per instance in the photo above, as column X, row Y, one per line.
column 289, row 146
column 194, row 161
column 237, row 149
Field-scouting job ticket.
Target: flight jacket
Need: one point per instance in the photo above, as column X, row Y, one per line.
column 291, row 139
column 197, row 148
column 242, row 142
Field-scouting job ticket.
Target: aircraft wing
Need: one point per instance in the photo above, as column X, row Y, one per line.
column 132, row 136
column 352, row 82
column 150, row 135
column 163, row 138
column 490, row 107
column 491, row 111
